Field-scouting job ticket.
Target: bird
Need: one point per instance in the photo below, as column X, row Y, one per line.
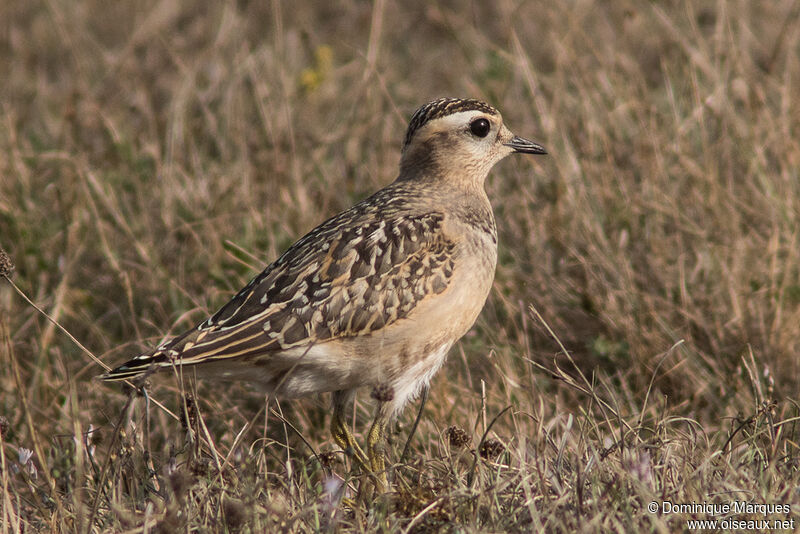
column 374, row 296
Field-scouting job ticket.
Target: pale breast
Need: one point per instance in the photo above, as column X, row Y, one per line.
column 406, row 353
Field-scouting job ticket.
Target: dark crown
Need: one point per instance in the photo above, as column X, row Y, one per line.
column 441, row 108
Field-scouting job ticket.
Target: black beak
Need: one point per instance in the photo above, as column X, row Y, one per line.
column 526, row 147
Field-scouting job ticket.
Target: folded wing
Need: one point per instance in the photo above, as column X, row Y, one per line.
column 352, row 275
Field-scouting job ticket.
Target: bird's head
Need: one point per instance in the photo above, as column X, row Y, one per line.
column 455, row 138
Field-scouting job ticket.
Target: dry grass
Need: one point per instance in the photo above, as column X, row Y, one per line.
column 154, row 156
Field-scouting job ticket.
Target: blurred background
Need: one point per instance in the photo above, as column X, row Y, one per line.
column 154, row 155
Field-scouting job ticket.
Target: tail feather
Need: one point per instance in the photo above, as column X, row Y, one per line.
column 199, row 346
column 137, row 367
column 162, row 356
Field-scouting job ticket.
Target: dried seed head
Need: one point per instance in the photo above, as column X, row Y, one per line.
column 6, row 265
column 457, row 436
column 126, row 445
column 327, row 459
column 492, row 448
column 383, row 393
column 189, row 415
column 3, row 425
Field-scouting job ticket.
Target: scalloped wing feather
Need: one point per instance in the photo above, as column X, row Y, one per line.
column 352, row 275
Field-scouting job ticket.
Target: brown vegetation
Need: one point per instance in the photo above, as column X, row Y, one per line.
column 643, row 331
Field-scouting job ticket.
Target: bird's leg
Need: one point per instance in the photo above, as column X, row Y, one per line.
column 344, row 438
column 372, row 463
column 376, row 444
column 376, row 447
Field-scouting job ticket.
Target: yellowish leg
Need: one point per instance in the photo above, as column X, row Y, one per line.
column 344, row 438
column 376, row 448
column 373, row 463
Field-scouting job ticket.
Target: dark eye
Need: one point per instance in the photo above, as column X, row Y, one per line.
column 480, row 127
